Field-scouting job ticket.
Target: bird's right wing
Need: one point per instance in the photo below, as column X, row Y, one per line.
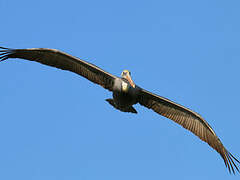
column 64, row 61
column 189, row 120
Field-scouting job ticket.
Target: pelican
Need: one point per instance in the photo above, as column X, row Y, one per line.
column 126, row 94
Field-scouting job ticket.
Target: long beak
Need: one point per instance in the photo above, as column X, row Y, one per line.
column 128, row 77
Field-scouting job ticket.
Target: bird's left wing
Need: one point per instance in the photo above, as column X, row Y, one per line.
column 189, row 120
column 64, row 61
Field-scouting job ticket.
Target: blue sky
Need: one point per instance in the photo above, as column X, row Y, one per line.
column 56, row 125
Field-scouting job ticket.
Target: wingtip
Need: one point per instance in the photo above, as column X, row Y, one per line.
column 3, row 47
column 4, row 53
column 230, row 164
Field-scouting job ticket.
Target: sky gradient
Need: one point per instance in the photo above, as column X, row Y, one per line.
column 55, row 124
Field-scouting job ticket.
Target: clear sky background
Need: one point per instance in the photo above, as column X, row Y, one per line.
column 55, row 124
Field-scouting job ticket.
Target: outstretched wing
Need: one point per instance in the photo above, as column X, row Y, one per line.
column 61, row 60
column 189, row 120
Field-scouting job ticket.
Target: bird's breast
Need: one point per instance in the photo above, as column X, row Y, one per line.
column 123, row 86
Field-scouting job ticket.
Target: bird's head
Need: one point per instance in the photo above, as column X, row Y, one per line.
column 127, row 75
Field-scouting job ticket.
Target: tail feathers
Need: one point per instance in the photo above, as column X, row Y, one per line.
column 123, row 109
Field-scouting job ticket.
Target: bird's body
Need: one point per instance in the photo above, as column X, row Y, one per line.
column 126, row 94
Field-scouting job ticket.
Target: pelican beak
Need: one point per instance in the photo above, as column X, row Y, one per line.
column 128, row 77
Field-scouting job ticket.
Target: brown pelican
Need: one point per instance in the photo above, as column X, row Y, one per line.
column 126, row 94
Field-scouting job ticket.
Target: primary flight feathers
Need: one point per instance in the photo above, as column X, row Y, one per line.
column 126, row 94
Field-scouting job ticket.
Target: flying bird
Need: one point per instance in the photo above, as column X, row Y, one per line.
column 126, row 94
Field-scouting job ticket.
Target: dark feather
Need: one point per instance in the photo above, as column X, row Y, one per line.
column 64, row 61
column 189, row 120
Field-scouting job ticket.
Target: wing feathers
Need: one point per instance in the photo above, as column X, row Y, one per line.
column 61, row 60
column 190, row 121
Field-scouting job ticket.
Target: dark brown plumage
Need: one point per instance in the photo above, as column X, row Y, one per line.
column 189, row 120
column 61, row 60
column 126, row 94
